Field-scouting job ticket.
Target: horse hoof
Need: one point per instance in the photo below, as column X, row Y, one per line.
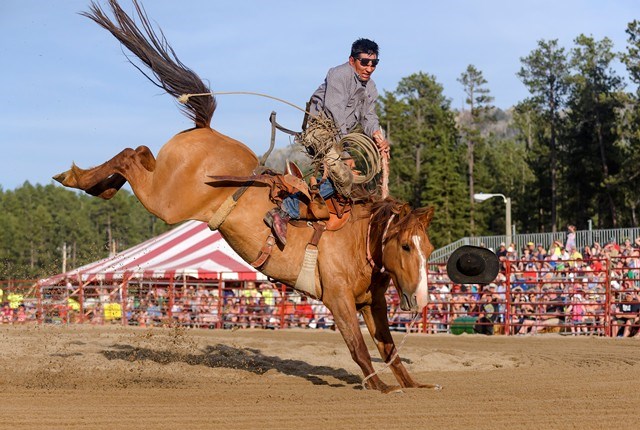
column 66, row 178
column 435, row 387
column 392, row 389
column 61, row 177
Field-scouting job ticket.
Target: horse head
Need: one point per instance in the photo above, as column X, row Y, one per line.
column 405, row 250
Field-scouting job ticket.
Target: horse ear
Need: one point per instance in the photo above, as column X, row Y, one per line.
column 425, row 215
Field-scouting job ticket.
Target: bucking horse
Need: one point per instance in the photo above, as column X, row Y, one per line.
column 384, row 240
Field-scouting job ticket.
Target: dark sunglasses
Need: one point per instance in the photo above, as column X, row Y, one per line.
column 365, row 62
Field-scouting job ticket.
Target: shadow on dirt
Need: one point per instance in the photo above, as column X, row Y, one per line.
column 224, row 356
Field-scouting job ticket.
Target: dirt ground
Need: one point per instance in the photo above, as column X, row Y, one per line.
column 116, row 377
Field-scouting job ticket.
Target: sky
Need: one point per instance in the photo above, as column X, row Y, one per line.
column 68, row 93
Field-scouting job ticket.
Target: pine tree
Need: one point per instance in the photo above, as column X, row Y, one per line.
column 478, row 101
column 545, row 72
column 427, row 164
column 593, row 157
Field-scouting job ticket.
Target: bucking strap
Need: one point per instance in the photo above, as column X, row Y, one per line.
column 306, row 280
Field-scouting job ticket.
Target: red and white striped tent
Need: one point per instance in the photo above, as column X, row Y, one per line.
column 189, row 250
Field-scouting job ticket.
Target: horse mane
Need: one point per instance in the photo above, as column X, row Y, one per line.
column 408, row 220
column 155, row 52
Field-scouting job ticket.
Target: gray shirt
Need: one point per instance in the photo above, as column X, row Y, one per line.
column 347, row 100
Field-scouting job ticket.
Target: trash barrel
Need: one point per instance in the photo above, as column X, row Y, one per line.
column 463, row 325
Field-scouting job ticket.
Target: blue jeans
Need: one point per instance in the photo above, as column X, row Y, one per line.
column 291, row 203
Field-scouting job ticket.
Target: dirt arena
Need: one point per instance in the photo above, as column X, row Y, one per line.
column 115, row 377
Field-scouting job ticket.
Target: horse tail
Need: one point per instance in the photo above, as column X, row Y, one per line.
column 155, row 52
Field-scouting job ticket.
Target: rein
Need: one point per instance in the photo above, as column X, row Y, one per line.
column 384, row 234
column 395, row 354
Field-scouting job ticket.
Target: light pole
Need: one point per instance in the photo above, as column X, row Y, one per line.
column 481, row 197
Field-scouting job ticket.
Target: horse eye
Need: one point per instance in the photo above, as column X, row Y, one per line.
column 406, row 247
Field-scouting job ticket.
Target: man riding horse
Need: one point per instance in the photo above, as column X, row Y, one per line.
column 347, row 98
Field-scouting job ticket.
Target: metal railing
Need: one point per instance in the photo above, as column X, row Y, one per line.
column 583, row 238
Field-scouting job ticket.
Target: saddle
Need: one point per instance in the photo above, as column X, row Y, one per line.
column 335, row 211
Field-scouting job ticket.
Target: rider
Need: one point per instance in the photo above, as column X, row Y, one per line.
column 348, row 96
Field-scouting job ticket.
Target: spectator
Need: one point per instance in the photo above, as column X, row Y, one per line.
column 596, row 250
column 552, row 307
column 540, row 253
column 436, row 316
column 97, row 314
column 321, row 317
column 501, row 253
column 594, row 312
column 576, row 309
column 398, row 319
column 290, row 319
column 532, row 248
column 231, row 313
column 250, row 290
column 153, row 312
column 256, row 311
column 612, row 249
column 571, row 238
column 304, row 312
column 575, row 257
column 627, row 315
column 243, row 312
column 21, row 314
column 460, row 303
column 209, row 312
column 270, row 294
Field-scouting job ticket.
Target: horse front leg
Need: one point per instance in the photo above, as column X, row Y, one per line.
column 346, row 319
column 375, row 317
column 105, row 180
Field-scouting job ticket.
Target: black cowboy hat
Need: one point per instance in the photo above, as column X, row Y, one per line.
column 472, row 265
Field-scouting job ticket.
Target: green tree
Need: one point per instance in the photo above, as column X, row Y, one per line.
column 38, row 223
column 478, row 102
column 427, row 163
column 630, row 126
column 534, row 193
column 545, row 73
column 593, row 156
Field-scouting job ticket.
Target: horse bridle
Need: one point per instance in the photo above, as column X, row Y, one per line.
column 384, row 235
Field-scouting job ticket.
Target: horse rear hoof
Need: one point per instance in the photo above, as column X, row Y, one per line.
column 68, row 179
column 60, row 177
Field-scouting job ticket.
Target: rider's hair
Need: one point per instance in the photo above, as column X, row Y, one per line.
column 364, row 46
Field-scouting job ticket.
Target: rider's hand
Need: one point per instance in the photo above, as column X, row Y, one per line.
column 381, row 142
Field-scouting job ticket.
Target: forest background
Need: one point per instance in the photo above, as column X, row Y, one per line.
column 567, row 154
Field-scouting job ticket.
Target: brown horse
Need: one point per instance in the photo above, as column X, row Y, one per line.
column 173, row 186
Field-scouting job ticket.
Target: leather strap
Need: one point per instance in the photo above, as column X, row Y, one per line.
column 265, row 252
column 318, row 229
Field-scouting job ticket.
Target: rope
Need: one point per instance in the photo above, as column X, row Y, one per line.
column 184, row 98
column 362, row 145
column 395, row 354
column 359, row 144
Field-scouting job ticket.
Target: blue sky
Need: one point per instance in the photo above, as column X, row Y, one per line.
column 69, row 94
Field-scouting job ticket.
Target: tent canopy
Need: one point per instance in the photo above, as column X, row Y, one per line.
column 189, row 250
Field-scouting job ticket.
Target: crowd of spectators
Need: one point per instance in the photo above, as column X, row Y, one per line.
column 539, row 288
column 265, row 306
column 550, row 288
column 242, row 305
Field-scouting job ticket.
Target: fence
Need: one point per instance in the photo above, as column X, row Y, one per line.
column 597, row 297
column 583, row 238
